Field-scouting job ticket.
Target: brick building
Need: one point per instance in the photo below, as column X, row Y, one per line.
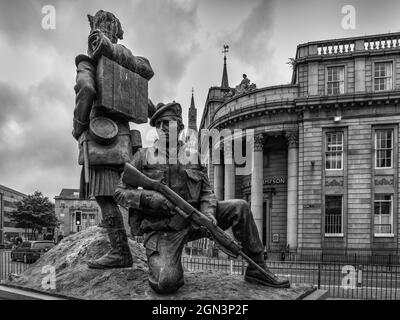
column 325, row 169
column 8, row 200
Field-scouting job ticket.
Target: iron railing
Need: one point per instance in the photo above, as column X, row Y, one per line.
column 8, row 267
column 343, row 257
column 341, row 280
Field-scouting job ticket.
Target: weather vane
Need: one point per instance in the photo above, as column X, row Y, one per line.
column 226, row 50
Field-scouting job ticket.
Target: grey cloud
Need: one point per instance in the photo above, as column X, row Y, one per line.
column 38, row 151
column 12, row 103
column 43, row 142
column 251, row 40
column 169, row 28
column 150, row 27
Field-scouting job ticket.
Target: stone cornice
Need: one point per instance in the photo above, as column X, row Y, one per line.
column 314, row 103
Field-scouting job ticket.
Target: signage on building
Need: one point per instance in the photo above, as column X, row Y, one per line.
column 274, row 180
column 268, row 181
column 275, row 237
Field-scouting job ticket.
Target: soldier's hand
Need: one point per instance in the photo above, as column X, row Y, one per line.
column 211, row 217
column 95, row 42
column 156, row 201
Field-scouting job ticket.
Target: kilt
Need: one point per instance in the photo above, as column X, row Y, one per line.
column 102, row 182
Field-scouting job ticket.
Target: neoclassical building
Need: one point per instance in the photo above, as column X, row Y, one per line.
column 325, row 168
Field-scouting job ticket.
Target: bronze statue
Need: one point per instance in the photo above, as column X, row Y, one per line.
column 165, row 232
column 101, row 123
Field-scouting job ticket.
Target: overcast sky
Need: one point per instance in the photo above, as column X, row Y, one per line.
column 183, row 40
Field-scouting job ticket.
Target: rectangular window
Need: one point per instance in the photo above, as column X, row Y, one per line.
column 84, row 221
column 92, row 220
column 383, row 217
column 334, row 151
column 383, row 148
column 335, row 83
column 333, row 215
column 383, row 76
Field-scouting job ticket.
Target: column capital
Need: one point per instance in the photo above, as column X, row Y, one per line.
column 259, row 141
column 292, row 139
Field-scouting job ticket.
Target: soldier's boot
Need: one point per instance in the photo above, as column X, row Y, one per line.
column 253, row 275
column 119, row 255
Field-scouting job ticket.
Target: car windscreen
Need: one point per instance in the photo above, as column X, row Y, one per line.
column 42, row 245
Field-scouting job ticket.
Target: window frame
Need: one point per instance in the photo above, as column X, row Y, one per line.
column 326, row 150
column 344, row 67
column 92, row 219
column 391, row 129
column 341, row 234
column 383, row 235
column 373, row 75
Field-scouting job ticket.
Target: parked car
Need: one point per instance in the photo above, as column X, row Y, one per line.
column 6, row 245
column 30, row 251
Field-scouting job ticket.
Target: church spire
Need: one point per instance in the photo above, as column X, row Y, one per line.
column 192, row 101
column 225, row 82
column 192, row 114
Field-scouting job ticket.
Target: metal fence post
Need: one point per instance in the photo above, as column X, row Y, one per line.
column 319, row 275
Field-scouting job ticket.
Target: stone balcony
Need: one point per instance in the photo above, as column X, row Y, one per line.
column 382, row 43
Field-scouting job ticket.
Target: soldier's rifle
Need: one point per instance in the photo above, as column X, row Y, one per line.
column 134, row 178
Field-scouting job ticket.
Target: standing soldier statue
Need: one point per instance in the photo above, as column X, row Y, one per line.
column 165, row 231
column 111, row 91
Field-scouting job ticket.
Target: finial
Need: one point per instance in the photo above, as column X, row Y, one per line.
column 225, row 83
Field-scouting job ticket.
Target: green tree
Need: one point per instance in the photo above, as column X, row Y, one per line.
column 33, row 213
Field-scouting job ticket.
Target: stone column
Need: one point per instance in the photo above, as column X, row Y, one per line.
column 229, row 182
column 292, row 181
column 257, row 167
column 219, row 181
column 229, row 164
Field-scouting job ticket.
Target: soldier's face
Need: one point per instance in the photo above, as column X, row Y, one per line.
column 166, row 127
column 162, row 127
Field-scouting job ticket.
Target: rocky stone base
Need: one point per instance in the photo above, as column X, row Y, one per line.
column 76, row 280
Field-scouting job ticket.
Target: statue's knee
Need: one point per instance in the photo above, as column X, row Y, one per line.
column 162, row 289
column 242, row 203
column 242, row 206
column 166, row 285
column 170, row 280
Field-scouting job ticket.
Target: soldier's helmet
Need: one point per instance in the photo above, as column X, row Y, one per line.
column 172, row 111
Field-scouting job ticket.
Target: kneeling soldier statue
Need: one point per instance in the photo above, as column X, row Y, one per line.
column 153, row 215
